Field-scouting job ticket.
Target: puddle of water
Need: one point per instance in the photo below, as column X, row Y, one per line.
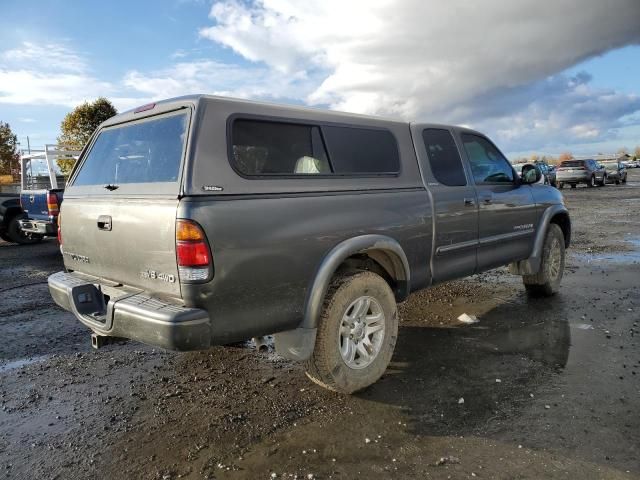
column 614, row 257
column 633, row 241
column 22, row 362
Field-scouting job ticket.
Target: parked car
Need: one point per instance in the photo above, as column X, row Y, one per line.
column 42, row 191
column 10, row 213
column 203, row 221
column 548, row 172
column 616, row 171
column 573, row 172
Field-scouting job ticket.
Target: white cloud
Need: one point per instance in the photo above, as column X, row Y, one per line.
column 205, row 76
column 48, row 74
column 554, row 112
column 44, row 57
column 433, row 60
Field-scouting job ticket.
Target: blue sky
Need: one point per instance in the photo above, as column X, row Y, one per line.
column 532, row 80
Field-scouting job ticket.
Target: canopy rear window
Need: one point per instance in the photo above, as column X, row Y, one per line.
column 572, row 163
column 145, row 152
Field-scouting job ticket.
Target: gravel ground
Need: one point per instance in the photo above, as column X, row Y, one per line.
column 538, row 388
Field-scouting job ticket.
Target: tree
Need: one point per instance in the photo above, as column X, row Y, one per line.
column 9, row 160
column 535, row 158
column 565, row 156
column 623, row 151
column 637, row 152
column 78, row 126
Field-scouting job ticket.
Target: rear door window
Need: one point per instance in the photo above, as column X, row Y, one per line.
column 444, row 158
column 488, row 165
column 148, row 151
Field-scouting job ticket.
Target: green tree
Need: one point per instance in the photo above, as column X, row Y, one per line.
column 8, row 150
column 78, row 126
column 637, row 152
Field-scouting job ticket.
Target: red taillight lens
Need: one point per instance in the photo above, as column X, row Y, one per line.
column 60, row 230
column 192, row 252
column 52, row 204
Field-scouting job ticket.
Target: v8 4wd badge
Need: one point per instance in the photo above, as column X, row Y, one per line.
column 153, row 275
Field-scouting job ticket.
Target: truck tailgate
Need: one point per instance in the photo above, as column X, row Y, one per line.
column 123, row 240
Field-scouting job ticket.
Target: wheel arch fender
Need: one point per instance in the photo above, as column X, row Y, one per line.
column 341, row 252
column 557, row 214
column 298, row 344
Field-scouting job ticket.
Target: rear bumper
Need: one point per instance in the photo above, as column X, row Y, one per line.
column 40, row 227
column 120, row 312
column 573, row 177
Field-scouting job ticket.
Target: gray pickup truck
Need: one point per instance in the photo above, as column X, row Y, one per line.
column 203, row 221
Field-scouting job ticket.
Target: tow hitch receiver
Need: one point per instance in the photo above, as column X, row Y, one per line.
column 99, row 341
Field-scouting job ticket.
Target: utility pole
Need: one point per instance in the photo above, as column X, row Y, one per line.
column 28, row 145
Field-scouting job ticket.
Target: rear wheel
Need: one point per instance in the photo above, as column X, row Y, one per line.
column 547, row 281
column 574, row 185
column 357, row 333
column 624, row 180
column 16, row 235
column 560, row 185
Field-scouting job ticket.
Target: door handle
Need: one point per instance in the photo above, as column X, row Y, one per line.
column 469, row 202
column 487, row 199
column 104, row 222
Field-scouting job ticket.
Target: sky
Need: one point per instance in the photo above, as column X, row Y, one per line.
column 548, row 79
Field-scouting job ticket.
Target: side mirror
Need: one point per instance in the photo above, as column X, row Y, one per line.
column 530, row 174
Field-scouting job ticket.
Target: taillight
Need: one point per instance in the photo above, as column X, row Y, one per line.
column 52, row 204
column 192, row 252
column 60, row 230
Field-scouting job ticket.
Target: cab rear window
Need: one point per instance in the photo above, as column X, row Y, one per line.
column 148, row 151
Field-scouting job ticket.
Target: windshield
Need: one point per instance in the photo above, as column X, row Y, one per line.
column 149, row 151
column 610, row 163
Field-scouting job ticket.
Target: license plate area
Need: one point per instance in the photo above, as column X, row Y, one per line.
column 90, row 302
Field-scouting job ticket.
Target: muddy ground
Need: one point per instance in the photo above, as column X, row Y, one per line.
column 536, row 389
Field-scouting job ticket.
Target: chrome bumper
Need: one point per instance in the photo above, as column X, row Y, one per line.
column 128, row 313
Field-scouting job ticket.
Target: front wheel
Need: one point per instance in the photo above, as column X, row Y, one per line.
column 592, row 181
column 560, row 185
column 357, row 333
column 547, row 281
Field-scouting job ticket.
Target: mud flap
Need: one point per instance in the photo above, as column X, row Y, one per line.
column 297, row 344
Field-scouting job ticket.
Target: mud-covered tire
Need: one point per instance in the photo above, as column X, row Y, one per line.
column 327, row 367
column 547, row 281
column 16, row 235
